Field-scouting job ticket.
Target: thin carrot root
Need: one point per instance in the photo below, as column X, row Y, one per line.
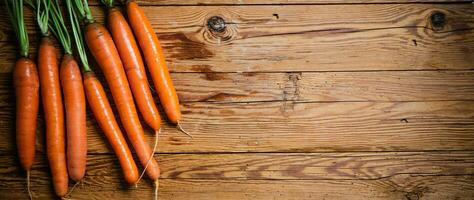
column 157, row 184
column 157, row 133
column 182, row 130
column 28, row 184
column 72, row 189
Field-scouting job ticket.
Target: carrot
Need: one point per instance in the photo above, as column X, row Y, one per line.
column 135, row 70
column 105, row 117
column 52, row 101
column 74, row 99
column 26, row 84
column 133, row 64
column 103, row 49
column 101, row 108
column 54, row 116
column 25, row 77
column 75, row 104
column 156, row 62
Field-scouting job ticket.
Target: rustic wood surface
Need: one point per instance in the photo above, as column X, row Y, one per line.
column 304, row 99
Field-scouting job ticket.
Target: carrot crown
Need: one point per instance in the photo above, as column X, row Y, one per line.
column 78, row 37
column 15, row 10
column 108, row 3
column 58, row 27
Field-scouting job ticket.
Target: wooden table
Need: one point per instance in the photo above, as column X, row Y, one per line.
column 304, row 99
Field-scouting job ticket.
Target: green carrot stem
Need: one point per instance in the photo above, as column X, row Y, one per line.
column 77, row 35
column 58, row 27
column 15, row 11
column 42, row 14
column 83, row 10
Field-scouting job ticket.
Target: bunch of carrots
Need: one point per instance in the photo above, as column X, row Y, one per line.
column 64, row 89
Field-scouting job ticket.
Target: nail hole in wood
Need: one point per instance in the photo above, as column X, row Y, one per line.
column 414, row 42
column 276, row 16
column 216, row 24
column 438, row 20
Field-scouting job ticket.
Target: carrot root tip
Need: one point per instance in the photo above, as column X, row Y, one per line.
column 157, row 185
column 157, row 134
column 180, row 128
column 72, row 189
column 28, row 184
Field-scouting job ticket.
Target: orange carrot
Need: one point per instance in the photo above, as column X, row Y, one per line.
column 100, row 106
column 54, row 115
column 25, row 77
column 133, row 64
column 103, row 49
column 155, row 61
column 26, row 84
column 105, row 117
column 74, row 99
column 75, row 104
column 52, row 101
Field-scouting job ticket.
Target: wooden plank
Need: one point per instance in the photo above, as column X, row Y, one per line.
column 306, row 37
column 405, row 187
column 383, row 175
column 326, row 86
column 285, row 2
column 278, row 166
column 309, row 86
column 300, row 127
column 280, row 2
column 272, row 2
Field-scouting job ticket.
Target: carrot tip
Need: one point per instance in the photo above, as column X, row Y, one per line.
column 182, row 130
column 28, row 184
column 157, row 133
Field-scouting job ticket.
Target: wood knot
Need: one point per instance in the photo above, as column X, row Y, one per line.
column 438, row 20
column 216, row 24
column 218, row 31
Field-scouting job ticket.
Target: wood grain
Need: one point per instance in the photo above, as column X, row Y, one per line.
column 325, row 86
column 301, row 99
column 278, row 2
column 396, row 188
column 300, row 127
column 279, row 166
column 309, row 86
column 256, row 176
column 305, row 37
column 271, row 2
